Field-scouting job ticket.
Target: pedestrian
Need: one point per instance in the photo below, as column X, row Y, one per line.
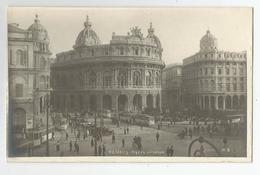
column 113, row 138
column 123, row 143
column 70, row 146
column 99, row 150
column 58, row 146
column 168, row 151
column 171, row 151
column 190, row 133
column 104, row 150
column 67, row 136
column 75, row 146
column 92, row 142
column 52, row 135
column 157, row 136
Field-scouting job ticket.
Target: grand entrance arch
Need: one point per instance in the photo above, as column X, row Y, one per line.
column 93, row 103
column 19, row 120
column 122, row 103
column 235, row 101
column 220, row 102
column 228, row 102
column 149, row 101
column 158, row 105
column 107, row 102
column 137, row 103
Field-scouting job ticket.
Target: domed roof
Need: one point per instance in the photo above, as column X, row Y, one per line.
column 208, row 43
column 39, row 33
column 87, row 37
column 153, row 36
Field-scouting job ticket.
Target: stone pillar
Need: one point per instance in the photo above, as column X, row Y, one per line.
column 130, row 103
column 115, row 76
column 231, row 102
column 154, row 101
column 224, row 102
column 144, row 105
column 129, row 78
column 209, row 102
column 115, row 103
column 216, row 102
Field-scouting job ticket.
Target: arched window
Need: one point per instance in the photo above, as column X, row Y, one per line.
column 42, row 63
column 21, row 58
column 148, row 51
column 81, row 80
column 19, row 90
column 212, row 84
column 148, row 76
column 136, row 51
column 121, row 51
column 64, row 80
column 47, row 81
column 92, row 79
column 42, row 82
column 157, row 79
column 122, row 79
column 107, row 79
column 137, row 79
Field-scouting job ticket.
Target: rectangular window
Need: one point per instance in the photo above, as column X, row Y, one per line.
column 234, row 86
column 220, row 86
column 234, row 71
column 11, row 57
column 227, row 71
column 212, row 71
column 206, row 71
column 219, row 71
column 19, row 90
column 241, row 71
column 228, row 87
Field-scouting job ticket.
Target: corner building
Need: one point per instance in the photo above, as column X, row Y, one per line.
column 29, row 79
column 215, row 80
column 124, row 75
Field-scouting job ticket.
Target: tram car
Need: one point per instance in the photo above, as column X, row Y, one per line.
column 144, row 120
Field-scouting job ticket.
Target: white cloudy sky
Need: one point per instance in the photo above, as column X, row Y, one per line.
column 179, row 29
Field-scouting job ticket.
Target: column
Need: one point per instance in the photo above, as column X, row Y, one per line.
column 209, row 97
column 115, row 103
column 224, row 102
column 216, row 102
column 144, row 105
column 130, row 102
column 154, row 101
column 231, row 102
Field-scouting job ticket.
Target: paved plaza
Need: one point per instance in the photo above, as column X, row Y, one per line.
column 168, row 136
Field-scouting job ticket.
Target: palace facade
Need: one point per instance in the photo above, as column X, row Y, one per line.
column 29, row 78
column 172, row 88
column 213, row 79
column 124, row 75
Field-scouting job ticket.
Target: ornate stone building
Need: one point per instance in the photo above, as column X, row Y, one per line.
column 124, row 75
column 172, row 87
column 29, row 77
column 215, row 80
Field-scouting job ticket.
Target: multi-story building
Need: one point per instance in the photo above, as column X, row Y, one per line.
column 213, row 79
column 29, row 77
column 124, row 75
column 172, row 87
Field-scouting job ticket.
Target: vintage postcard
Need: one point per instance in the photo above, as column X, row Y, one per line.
column 96, row 84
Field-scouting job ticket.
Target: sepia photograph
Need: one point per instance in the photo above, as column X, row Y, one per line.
column 117, row 84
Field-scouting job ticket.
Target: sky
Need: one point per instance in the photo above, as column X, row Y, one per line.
column 179, row 29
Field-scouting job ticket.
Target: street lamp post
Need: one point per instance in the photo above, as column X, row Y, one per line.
column 47, row 124
column 95, row 151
